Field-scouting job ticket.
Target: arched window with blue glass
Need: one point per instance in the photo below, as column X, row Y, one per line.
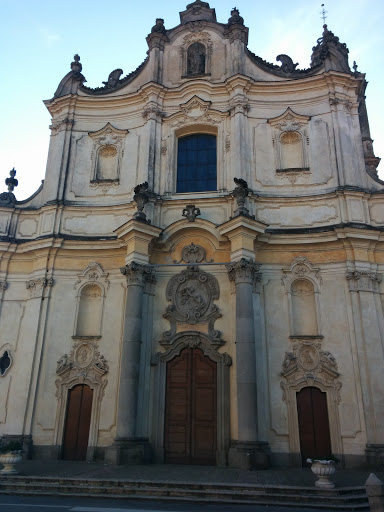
column 197, row 163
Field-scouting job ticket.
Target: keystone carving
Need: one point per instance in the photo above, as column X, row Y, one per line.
column 191, row 212
column 141, row 198
column 193, row 254
column 240, row 193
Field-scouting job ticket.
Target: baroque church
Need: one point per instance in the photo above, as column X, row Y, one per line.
column 198, row 280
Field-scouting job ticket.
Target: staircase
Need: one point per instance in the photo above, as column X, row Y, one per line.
column 342, row 498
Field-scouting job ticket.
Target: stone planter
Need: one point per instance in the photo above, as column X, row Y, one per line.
column 323, row 470
column 9, row 459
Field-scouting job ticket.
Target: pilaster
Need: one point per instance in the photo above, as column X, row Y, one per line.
column 129, row 447
column 364, row 287
column 247, row 451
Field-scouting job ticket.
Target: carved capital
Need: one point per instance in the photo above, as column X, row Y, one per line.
column 36, row 287
column 152, row 111
column 244, row 271
column 362, row 281
column 138, row 274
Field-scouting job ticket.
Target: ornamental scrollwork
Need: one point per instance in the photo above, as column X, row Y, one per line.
column 191, row 294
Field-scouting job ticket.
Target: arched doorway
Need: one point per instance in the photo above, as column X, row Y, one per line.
column 314, row 433
column 191, row 409
column 77, row 422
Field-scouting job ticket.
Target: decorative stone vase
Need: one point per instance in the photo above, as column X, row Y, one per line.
column 9, row 459
column 323, row 470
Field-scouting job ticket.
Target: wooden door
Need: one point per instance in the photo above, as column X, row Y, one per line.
column 191, row 409
column 77, row 422
column 312, row 411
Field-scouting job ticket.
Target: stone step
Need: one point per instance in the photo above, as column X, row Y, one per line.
column 348, row 498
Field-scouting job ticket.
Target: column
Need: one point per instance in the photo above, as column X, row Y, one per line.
column 128, row 448
column 247, row 451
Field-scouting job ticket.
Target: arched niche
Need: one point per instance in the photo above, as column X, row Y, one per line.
column 89, row 312
column 107, row 163
column 191, row 339
column 302, row 282
column 291, row 147
column 303, row 307
column 196, row 59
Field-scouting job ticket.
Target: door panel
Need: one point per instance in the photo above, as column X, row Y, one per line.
column 77, row 422
column 312, row 410
column 191, row 409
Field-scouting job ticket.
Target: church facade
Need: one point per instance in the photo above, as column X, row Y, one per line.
column 198, row 280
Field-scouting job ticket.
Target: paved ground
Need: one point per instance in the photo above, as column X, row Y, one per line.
column 179, row 473
column 39, row 504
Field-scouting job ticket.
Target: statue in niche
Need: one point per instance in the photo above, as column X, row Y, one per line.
column 196, row 59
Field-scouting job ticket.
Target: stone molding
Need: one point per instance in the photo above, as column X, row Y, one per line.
column 36, row 287
column 364, row 281
column 93, row 273
column 84, row 365
column 159, row 362
column 307, row 362
column 308, row 365
column 138, row 274
column 244, row 271
column 301, row 268
column 108, row 136
column 191, row 294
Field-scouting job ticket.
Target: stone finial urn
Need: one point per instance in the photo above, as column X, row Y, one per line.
column 9, row 459
column 323, row 469
column 10, row 454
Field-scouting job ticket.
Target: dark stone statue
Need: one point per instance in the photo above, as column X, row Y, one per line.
column 159, row 27
column 113, row 78
column 287, row 64
column 196, row 59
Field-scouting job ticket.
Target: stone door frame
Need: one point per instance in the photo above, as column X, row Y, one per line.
column 191, row 339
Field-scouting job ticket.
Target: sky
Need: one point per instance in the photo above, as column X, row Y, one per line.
column 39, row 39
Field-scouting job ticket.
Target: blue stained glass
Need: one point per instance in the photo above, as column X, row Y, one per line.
column 197, row 163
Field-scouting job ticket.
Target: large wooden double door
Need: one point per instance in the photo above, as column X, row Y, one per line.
column 77, row 422
column 191, row 409
column 312, row 411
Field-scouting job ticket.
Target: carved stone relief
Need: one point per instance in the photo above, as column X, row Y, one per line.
column 196, row 111
column 94, row 272
column 193, row 254
column 308, row 363
column 191, row 294
column 301, row 268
